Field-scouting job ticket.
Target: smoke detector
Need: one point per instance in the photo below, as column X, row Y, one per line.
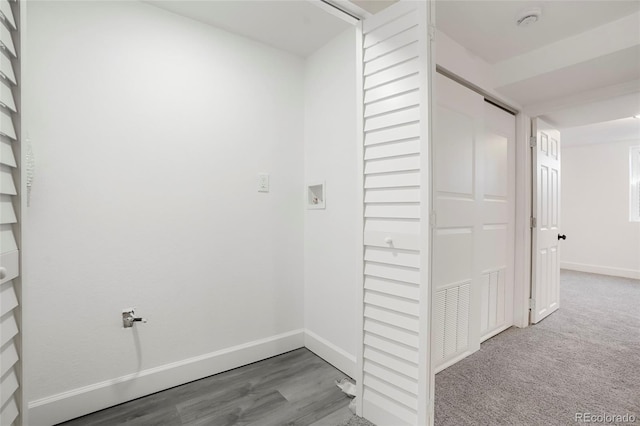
column 528, row 17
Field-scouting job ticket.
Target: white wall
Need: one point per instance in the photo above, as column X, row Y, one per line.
column 595, row 210
column 149, row 130
column 331, row 234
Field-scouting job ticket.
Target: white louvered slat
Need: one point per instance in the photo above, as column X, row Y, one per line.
column 398, row 273
column 392, row 103
column 7, row 239
column 390, row 347
column 407, row 131
column 393, row 149
column 390, row 74
column 6, row 154
column 393, row 256
column 396, row 195
column 438, row 325
column 408, row 211
column 393, row 180
column 400, row 365
column 6, row 96
column 9, row 261
column 392, row 303
column 391, row 333
column 9, row 354
column 8, row 386
column 395, row 42
column 450, row 322
column 405, row 84
column 385, row 388
column 6, row 41
column 7, row 13
column 394, row 318
column 8, row 328
column 387, row 61
column 7, row 214
column 400, row 240
column 393, row 119
column 394, row 226
column 6, row 125
column 381, row 371
column 8, row 298
column 392, row 165
column 6, row 181
column 381, row 27
column 9, row 412
column 410, row 291
column 6, row 69
column 392, row 414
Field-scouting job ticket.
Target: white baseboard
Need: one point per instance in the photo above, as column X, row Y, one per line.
column 78, row 402
column 326, row 350
column 603, row 270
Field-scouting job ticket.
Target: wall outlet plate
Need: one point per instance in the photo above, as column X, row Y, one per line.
column 263, row 182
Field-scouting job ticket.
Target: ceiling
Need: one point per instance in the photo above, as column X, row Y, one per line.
column 579, row 64
column 298, row 27
column 624, row 129
column 489, row 30
column 578, row 67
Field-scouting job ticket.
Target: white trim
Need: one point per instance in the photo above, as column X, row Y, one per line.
column 359, row 218
column 522, row 266
column 494, row 332
column 331, row 353
column 634, row 183
column 338, row 11
column 427, row 375
column 351, row 8
column 603, row 270
column 80, row 401
column 452, row 361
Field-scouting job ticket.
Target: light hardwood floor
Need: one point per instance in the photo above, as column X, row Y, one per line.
column 296, row 388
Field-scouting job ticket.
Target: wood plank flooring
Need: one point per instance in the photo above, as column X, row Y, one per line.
column 296, row 388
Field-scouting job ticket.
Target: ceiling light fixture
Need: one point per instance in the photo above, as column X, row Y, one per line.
column 528, row 17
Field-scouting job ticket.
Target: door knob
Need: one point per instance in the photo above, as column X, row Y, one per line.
column 562, row 237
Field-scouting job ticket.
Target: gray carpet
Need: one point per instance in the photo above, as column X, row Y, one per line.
column 356, row 421
column 584, row 358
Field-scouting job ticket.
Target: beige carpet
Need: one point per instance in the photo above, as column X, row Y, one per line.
column 584, row 358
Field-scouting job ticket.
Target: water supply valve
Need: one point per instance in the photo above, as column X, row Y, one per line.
column 129, row 318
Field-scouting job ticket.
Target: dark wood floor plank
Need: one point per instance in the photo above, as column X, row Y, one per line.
column 296, row 388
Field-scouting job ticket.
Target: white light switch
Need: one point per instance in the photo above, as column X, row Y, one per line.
column 263, row 182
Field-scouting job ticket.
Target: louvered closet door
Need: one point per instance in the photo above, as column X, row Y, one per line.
column 9, row 202
column 395, row 382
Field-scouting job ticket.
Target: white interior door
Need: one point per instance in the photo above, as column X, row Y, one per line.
column 473, row 242
column 497, row 254
column 545, row 291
